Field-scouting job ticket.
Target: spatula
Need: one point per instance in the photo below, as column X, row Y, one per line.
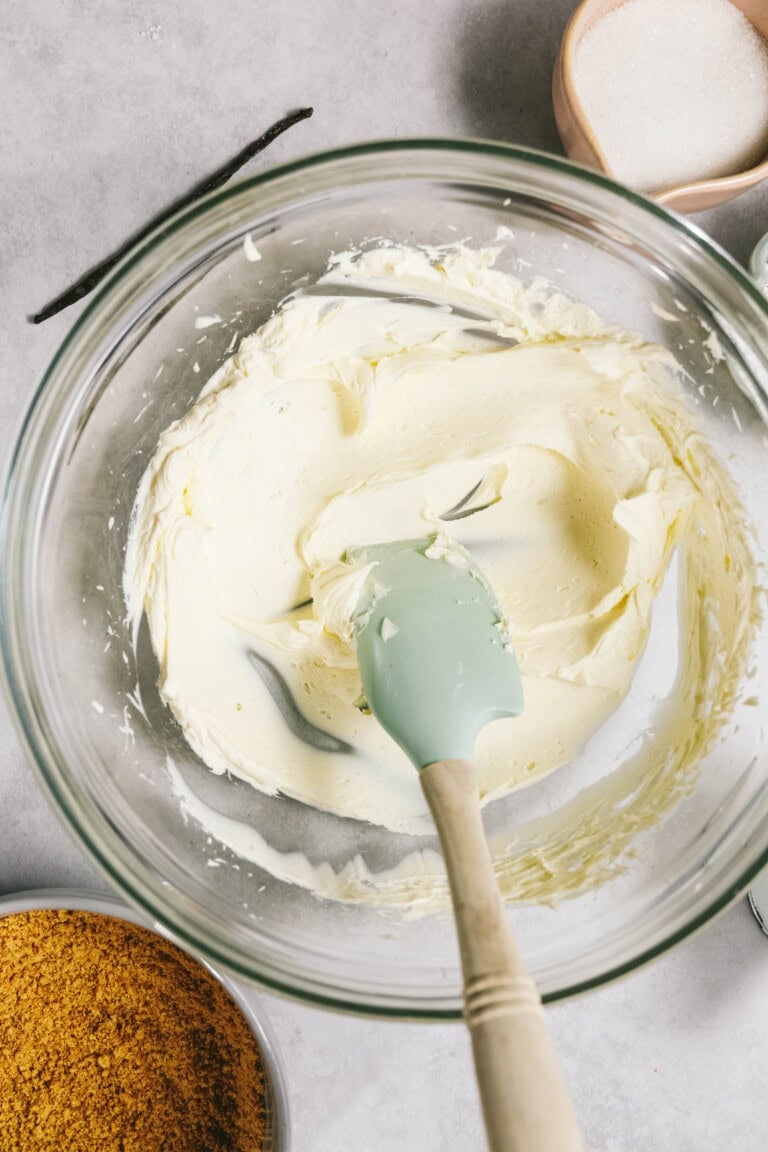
column 436, row 667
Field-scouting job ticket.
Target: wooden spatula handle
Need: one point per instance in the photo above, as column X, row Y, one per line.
column 525, row 1101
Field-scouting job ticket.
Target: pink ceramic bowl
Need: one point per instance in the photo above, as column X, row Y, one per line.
column 580, row 142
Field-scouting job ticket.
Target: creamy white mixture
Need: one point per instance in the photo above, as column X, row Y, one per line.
column 354, row 419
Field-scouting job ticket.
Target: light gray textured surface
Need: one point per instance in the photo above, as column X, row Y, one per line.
column 109, row 112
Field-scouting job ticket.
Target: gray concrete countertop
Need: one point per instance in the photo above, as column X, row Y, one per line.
column 109, row 112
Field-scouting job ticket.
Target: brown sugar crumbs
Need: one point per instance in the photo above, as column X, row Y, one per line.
column 114, row 1040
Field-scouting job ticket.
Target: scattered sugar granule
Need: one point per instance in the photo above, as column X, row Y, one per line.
column 675, row 91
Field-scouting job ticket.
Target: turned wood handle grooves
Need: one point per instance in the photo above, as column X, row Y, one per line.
column 525, row 1101
column 488, row 996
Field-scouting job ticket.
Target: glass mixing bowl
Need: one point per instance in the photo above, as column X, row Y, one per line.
column 137, row 358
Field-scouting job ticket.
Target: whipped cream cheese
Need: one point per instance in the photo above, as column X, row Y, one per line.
column 510, row 420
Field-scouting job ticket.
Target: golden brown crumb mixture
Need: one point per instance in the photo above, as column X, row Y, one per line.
column 114, row 1040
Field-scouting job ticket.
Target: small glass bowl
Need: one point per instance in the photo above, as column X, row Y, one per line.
column 136, row 359
column 277, row 1133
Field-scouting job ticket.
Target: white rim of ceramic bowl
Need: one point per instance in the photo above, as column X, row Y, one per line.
column 278, row 1136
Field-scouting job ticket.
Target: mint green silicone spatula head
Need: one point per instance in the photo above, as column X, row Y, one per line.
column 435, row 662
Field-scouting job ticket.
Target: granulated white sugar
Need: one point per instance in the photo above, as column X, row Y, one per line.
column 675, row 91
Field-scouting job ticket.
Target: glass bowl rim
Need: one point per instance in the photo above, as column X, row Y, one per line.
column 141, row 895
